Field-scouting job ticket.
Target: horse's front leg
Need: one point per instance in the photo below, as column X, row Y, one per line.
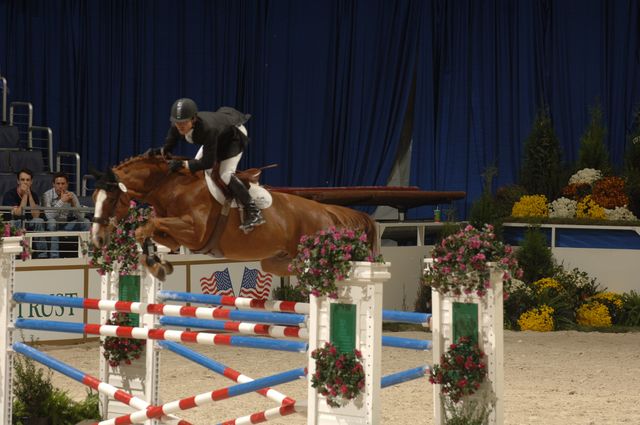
column 174, row 232
column 159, row 268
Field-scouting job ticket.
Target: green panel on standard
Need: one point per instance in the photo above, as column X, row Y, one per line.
column 129, row 290
column 343, row 327
column 465, row 321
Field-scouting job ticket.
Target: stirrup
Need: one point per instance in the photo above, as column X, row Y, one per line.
column 248, row 226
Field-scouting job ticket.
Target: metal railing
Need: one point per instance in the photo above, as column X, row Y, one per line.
column 47, row 150
column 69, row 163
column 23, row 121
column 3, row 82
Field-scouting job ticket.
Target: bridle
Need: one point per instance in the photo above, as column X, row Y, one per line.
column 109, row 187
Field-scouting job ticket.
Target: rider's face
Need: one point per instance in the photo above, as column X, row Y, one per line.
column 184, row 126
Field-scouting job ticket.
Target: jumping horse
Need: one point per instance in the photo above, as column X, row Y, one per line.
column 186, row 214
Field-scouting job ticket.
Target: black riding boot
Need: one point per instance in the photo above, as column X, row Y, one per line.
column 253, row 215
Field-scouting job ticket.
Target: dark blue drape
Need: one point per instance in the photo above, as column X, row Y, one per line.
column 328, row 82
column 484, row 69
column 324, row 81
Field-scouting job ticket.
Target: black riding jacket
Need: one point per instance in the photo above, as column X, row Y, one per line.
column 217, row 132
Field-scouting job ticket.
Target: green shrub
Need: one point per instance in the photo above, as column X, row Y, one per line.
column 519, row 300
column 32, row 388
column 593, row 152
column 631, row 172
column 506, row 196
column 541, row 170
column 288, row 292
column 485, row 209
column 423, row 299
column 630, row 315
column 534, row 256
column 36, row 397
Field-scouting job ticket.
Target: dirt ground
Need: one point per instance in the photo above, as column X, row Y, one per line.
column 550, row 378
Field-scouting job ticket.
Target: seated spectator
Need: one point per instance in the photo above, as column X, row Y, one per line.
column 65, row 216
column 21, row 198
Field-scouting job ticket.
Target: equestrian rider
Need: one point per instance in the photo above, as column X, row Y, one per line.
column 222, row 137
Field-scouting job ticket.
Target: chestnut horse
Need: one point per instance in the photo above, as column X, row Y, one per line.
column 186, row 214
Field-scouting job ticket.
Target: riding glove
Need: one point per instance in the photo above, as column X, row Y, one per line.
column 155, row 151
column 175, row 165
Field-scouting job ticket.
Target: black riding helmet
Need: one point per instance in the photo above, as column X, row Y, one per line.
column 183, row 110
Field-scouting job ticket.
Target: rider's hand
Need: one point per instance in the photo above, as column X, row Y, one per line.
column 155, row 152
column 175, row 165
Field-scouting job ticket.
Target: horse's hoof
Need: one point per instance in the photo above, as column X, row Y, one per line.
column 167, row 266
column 160, row 274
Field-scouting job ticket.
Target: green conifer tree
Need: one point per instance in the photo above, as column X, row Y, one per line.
column 541, row 170
column 593, row 152
column 631, row 171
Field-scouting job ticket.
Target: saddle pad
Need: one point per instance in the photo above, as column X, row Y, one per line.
column 260, row 195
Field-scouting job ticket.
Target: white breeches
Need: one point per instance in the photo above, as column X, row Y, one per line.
column 227, row 166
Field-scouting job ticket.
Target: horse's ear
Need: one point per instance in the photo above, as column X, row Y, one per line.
column 95, row 172
column 111, row 177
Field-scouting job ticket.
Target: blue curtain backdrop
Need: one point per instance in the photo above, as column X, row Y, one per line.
column 328, row 82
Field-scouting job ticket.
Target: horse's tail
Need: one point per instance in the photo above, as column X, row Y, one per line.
column 352, row 219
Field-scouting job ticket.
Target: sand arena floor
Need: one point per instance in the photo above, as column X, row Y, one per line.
column 562, row 378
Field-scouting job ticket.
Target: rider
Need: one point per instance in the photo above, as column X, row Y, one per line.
column 223, row 138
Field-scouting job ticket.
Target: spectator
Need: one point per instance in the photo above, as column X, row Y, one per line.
column 65, row 215
column 20, row 199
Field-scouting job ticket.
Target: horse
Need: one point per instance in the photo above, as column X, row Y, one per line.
column 186, row 215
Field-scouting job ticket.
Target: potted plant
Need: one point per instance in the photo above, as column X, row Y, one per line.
column 328, row 256
column 462, row 262
column 339, row 376
column 117, row 350
column 461, row 372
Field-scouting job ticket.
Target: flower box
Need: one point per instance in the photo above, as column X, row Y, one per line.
column 608, row 253
column 11, row 245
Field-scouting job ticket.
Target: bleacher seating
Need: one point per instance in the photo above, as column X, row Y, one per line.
column 9, row 137
column 13, row 159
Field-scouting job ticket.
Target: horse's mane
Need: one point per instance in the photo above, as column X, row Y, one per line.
column 144, row 158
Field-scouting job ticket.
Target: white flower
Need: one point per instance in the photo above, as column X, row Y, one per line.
column 586, row 176
column 619, row 213
column 562, row 208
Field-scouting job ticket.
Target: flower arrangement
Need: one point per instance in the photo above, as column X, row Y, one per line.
column 593, row 314
column 9, row 231
column 121, row 350
column 537, row 319
column 460, row 262
column 601, row 310
column 588, row 208
column 576, row 191
column 461, row 370
column 338, row 376
column 121, row 253
column 531, row 206
column 609, row 193
column 325, row 257
column 563, row 208
column 620, row 214
column 585, row 176
column 547, row 283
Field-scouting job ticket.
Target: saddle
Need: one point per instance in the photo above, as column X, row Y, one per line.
column 248, row 176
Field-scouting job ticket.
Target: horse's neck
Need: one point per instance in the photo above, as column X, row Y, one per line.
column 141, row 183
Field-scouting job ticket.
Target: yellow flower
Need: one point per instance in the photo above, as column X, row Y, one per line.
column 547, row 282
column 593, row 314
column 588, row 208
column 612, row 297
column 531, row 206
column 537, row 319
